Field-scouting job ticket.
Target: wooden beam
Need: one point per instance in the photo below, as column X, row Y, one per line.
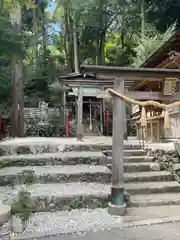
column 139, row 95
column 132, row 72
column 164, row 64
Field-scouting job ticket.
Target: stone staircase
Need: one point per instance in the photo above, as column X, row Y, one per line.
column 146, row 187
column 76, row 176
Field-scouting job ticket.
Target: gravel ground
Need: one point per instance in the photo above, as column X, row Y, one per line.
column 42, row 224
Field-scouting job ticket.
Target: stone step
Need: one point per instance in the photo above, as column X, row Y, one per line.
column 61, row 158
column 128, row 152
column 36, row 145
column 148, row 177
column 134, row 167
column 61, row 196
column 99, row 147
column 72, row 173
column 54, row 174
column 67, row 196
column 133, row 159
column 152, row 187
column 155, row 199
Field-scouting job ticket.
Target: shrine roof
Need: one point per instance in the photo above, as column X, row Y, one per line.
column 172, row 45
column 167, row 56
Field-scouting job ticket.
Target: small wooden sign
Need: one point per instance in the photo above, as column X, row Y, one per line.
column 170, row 86
column 103, row 94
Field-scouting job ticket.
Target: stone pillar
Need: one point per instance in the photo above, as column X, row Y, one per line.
column 80, row 114
column 117, row 205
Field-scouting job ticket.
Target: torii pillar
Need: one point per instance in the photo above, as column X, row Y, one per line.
column 80, row 131
column 117, row 205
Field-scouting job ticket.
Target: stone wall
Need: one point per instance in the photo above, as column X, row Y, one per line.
column 33, row 114
column 168, row 160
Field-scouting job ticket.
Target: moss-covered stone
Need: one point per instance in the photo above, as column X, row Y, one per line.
column 23, row 150
column 23, row 206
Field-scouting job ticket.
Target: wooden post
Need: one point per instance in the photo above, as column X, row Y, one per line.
column 151, row 130
column 117, row 205
column 80, row 114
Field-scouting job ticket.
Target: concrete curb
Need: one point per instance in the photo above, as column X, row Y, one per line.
column 148, row 222
column 5, row 213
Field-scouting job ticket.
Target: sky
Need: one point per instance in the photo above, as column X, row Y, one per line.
column 51, row 8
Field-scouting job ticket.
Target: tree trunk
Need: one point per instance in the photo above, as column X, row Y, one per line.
column 97, row 51
column 67, row 34
column 142, row 20
column 1, row 7
column 44, row 39
column 101, row 48
column 35, row 32
column 76, row 58
column 17, row 118
column 68, row 27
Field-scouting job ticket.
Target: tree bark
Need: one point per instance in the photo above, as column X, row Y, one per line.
column 17, row 118
column 142, row 20
column 101, row 48
column 76, row 58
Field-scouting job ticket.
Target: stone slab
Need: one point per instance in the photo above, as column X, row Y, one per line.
column 73, row 173
column 67, row 158
column 128, row 153
column 155, row 199
column 152, row 187
column 137, row 167
column 133, row 159
column 80, row 194
column 55, row 174
column 46, row 145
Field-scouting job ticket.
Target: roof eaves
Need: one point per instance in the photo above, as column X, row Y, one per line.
column 160, row 50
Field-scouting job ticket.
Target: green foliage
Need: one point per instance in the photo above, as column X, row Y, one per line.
column 22, row 207
column 163, row 13
column 151, row 42
column 108, row 32
column 117, row 51
column 27, row 177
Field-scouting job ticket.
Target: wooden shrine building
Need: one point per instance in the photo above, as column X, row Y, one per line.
column 168, row 56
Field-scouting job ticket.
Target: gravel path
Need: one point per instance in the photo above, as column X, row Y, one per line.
column 95, row 224
column 42, row 224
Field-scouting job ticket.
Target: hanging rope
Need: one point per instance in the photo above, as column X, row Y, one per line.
column 147, row 103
